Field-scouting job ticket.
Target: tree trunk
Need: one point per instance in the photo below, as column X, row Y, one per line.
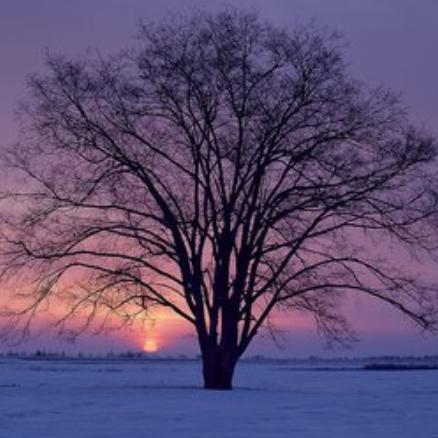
column 218, row 369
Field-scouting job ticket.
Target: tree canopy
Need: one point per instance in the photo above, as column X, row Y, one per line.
column 223, row 168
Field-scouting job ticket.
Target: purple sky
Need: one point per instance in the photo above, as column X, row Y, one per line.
column 394, row 42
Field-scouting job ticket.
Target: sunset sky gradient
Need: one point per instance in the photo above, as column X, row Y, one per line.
column 393, row 42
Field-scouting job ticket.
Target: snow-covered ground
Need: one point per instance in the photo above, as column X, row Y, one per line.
column 124, row 399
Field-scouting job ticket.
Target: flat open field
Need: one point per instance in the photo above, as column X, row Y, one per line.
column 111, row 398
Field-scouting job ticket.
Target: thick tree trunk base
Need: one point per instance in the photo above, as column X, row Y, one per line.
column 215, row 387
column 218, row 373
column 218, row 385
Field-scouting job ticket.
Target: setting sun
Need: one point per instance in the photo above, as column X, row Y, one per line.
column 150, row 346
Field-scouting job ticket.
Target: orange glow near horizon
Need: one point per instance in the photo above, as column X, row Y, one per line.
column 164, row 332
column 150, row 346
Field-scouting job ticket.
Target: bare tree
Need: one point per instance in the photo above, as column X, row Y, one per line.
column 223, row 168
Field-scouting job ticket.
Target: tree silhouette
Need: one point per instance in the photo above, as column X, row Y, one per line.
column 222, row 168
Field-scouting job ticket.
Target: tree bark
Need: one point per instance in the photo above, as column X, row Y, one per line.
column 218, row 369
